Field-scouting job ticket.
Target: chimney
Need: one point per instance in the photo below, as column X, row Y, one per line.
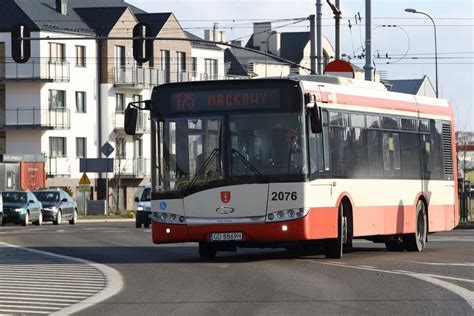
column 208, row 35
column 222, row 37
column 61, row 6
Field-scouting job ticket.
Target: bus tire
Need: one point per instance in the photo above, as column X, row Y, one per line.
column 207, row 251
column 417, row 240
column 138, row 224
column 333, row 247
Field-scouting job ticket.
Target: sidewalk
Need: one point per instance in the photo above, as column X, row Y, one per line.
column 105, row 220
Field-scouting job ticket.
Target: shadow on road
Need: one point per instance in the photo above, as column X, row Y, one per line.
column 182, row 254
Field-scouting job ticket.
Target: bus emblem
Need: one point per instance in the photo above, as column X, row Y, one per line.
column 225, row 196
column 224, row 210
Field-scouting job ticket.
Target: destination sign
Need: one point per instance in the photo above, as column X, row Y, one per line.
column 217, row 100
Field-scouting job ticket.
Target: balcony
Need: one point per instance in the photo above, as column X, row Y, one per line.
column 20, row 118
column 143, row 78
column 35, row 70
column 132, row 167
column 142, row 122
column 58, row 166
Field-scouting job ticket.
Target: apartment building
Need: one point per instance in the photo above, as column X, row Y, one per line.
column 69, row 98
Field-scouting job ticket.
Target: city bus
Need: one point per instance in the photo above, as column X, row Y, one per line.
column 298, row 161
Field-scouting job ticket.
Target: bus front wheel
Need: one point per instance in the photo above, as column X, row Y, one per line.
column 333, row 247
column 207, row 251
column 417, row 240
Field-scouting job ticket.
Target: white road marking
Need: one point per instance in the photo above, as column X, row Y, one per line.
column 456, row 264
column 23, row 311
column 63, row 295
column 465, row 294
column 60, row 288
column 363, row 266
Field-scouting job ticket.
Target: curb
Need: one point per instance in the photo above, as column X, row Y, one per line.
column 106, row 220
column 465, row 226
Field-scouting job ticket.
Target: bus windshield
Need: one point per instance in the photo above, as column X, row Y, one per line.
column 210, row 151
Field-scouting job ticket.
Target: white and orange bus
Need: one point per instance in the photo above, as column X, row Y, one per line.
column 295, row 161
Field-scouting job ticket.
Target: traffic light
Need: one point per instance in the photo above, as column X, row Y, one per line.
column 142, row 48
column 21, row 48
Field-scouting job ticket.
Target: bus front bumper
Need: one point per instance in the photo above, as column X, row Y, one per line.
column 318, row 224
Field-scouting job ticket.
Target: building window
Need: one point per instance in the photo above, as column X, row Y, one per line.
column 57, row 99
column 120, row 56
column 119, row 102
column 80, row 56
column 165, row 65
column 81, row 147
column 211, row 67
column 57, row 52
column 120, row 148
column 181, row 61
column 57, row 147
column 80, row 102
column 195, row 65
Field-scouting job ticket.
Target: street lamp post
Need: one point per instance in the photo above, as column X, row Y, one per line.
column 436, row 46
column 266, row 50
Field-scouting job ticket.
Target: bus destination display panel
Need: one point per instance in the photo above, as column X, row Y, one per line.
column 218, row 100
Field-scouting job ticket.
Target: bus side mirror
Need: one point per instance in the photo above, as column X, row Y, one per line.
column 315, row 118
column 130, row 124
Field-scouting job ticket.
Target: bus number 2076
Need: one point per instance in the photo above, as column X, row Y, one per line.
column 284, row 196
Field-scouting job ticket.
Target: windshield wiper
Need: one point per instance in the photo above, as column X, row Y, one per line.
column 247, row 163
column 204, row 166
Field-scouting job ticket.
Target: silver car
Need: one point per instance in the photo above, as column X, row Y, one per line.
column 57, row 206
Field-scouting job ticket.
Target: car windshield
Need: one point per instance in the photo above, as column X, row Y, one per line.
column 47, row 196
column 146, row 195
column 14, row 197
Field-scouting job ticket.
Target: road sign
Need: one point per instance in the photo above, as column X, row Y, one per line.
column 107, row 149
column 84, row 188
column 96, row 165
column 84, row 180
column 340, row 68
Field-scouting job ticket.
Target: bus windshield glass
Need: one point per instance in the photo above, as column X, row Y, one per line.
column 210, row 151
column 270, row 144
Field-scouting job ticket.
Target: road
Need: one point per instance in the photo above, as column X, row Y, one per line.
column 171, row 279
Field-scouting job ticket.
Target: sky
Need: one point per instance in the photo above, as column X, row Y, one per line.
column 409, row 45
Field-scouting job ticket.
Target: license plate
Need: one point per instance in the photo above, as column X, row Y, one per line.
column 226, row 236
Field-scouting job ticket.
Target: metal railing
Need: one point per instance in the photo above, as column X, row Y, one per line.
column 135, row 167
column 142, row 121
column 58, row 166
column 54, row 118
column 36, row 69
column 146, row 77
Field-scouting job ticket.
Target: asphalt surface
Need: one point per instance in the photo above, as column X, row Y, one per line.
column 171, row 279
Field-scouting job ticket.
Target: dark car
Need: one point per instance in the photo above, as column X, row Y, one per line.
column 57, row 205
column 21, row 207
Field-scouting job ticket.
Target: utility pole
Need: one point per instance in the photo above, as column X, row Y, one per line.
column 337, row 18
column 319, row 36
column 312, row 36
column 368, row 42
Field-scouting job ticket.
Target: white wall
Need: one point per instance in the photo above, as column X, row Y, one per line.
column 201, row 54
column 36, row 94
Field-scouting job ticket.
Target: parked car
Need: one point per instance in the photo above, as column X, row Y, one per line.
column 57, row 205
column 21, row 207
column 143, row 208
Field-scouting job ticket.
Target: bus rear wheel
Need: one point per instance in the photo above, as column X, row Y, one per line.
column 333, row 247
column 207, row 251
column 417, row 240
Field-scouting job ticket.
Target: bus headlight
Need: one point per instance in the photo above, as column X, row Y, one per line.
column 168, row 218
column 140, row 208
column 286, row 215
